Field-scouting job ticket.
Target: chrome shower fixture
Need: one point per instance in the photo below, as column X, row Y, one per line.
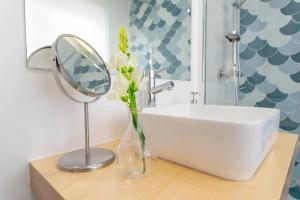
column 233, row 36
column 238, row 3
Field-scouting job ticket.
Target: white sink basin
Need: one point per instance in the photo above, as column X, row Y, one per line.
column 229, row 142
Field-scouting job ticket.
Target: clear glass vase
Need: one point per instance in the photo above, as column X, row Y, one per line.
column 135, row 155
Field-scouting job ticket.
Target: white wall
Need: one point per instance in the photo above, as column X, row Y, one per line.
column 36, row 119
column 197, row 50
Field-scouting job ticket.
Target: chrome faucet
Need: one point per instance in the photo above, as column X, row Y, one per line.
column 153, row 89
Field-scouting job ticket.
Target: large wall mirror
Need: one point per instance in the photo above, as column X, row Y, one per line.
column 160, row 30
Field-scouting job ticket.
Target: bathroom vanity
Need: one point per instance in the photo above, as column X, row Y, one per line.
column 166, row 180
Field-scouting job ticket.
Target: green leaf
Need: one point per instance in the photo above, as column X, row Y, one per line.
column 130, row 69
column 124, row 69
column 124, row 99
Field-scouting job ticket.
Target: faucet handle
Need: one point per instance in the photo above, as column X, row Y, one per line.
column 195, row 96
column 156, row 71
column 150, row 73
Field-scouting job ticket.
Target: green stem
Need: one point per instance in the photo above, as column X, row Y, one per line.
column 135, row 121
column 128, row 72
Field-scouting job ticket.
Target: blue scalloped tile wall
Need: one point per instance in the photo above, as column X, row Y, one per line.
column 270, row 58
column 270, row 62
column 166, row 26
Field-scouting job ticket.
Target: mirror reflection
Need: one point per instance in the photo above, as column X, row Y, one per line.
column 81, row 66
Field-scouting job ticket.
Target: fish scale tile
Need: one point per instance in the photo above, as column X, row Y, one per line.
column 277, row 4
column 266, row 87
column 257, row 26
column 296, row 37
column 296, row 77
column 165, row 27
column 291, row 28
column 271, row 49
column 256, row 61
column 289, row 67
column 266, row 103
column 295, row 115
column 292, row 8
column 290, row 48
column 287, row 106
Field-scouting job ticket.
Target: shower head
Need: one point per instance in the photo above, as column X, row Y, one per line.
column 238, row 3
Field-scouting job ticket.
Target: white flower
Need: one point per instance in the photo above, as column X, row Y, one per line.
column 132, row 62
column 119, row 88
column 117, row 61
column 121, row 84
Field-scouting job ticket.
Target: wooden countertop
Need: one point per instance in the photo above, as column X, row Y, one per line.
column 166, row 181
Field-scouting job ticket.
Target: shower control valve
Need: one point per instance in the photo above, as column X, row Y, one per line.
column 228, row 73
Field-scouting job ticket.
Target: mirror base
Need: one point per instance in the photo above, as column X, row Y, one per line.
column 76, row 161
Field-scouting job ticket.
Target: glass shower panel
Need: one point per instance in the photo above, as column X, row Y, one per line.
column 269, row 52
column 219, row 90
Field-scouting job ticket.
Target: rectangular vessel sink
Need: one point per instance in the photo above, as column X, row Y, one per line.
column 225, row 141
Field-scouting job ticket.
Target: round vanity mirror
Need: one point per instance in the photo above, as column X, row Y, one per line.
column 82, row 76
column 81, row 66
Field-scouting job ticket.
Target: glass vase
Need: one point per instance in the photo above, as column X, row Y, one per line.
column 134, row 154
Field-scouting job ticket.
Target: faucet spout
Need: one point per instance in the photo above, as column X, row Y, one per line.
column 153, row 89
column 163, row 87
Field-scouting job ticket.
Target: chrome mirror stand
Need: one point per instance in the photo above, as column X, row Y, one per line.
column 87, row 159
